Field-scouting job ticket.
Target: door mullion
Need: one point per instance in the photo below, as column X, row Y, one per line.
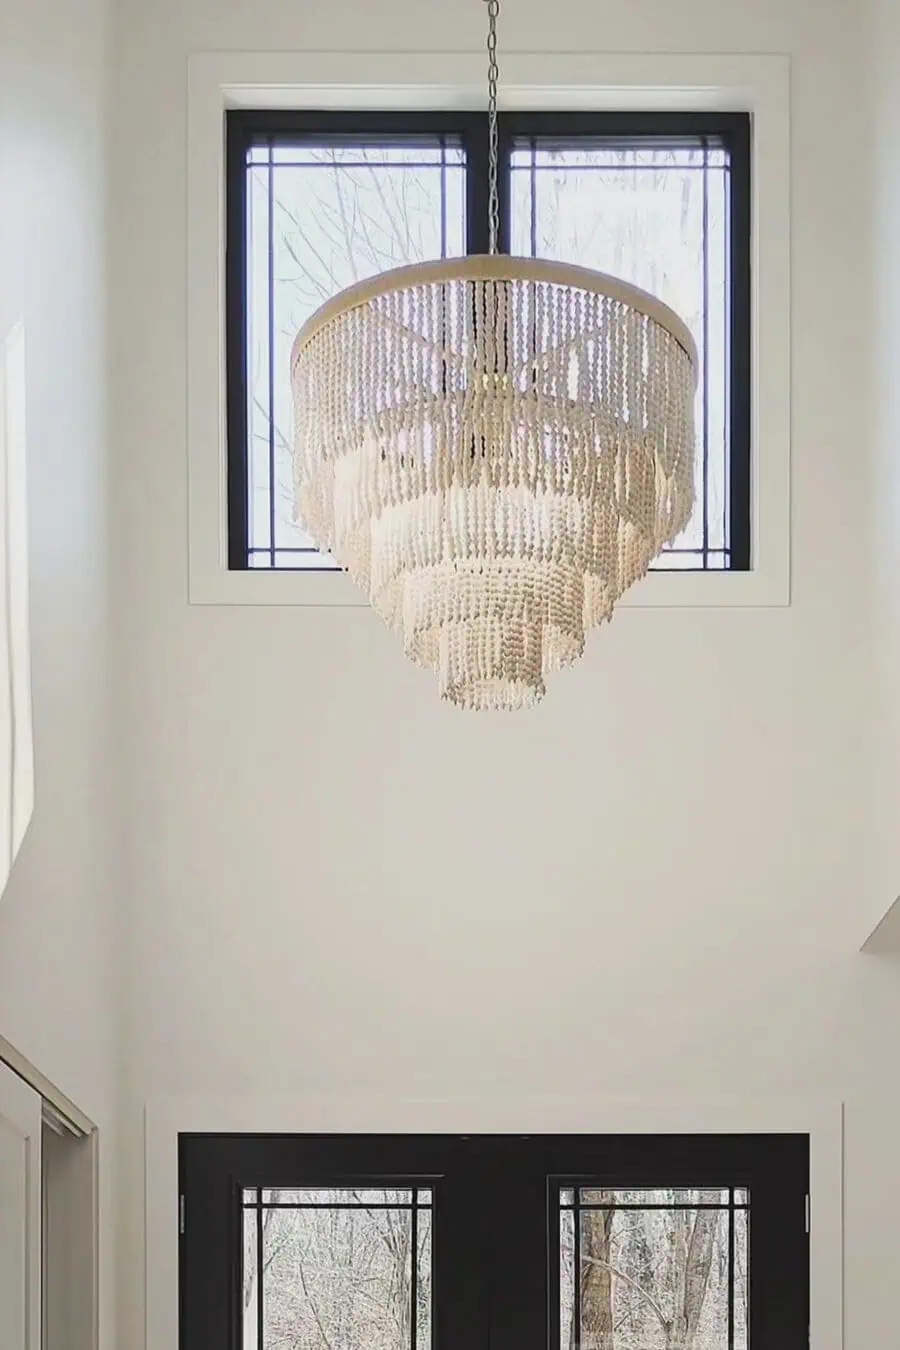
column 461, row 1254
column 519, row 1246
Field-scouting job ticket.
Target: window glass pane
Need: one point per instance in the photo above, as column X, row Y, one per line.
column 304, row 559
column 344, row 1195
column 670, row 1195
column 598, row 155
column 259, row 392
column 665, row 1274
column 691, row 560
column 320, row 218
column 345, row 1267
column 370, row 155
column 656, row 216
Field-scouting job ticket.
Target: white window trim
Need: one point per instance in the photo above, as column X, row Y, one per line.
column 758, row 84
column 165, row 1118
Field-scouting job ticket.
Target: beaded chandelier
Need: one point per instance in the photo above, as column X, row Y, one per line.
column 494, row 448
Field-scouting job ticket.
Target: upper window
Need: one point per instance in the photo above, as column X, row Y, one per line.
column 317, row 201
column 572, row 1242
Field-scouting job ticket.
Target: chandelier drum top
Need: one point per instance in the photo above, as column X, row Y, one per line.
column 495, row 449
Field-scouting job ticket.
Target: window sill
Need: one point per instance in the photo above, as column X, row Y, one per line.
column 660, row 590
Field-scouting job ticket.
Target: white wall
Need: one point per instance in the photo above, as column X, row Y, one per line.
column 57, row 924
column 657, row 882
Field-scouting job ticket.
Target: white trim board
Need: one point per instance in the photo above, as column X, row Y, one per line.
column 71, row 1282
column 166, row 1118
column 884, row 939
column 22, row 1192
column 758, row 84
column 56, row 1103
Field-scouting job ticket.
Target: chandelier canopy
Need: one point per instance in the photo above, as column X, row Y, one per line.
column 494, row 448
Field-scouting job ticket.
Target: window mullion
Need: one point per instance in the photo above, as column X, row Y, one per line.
column 477, row 177
column 504, row 152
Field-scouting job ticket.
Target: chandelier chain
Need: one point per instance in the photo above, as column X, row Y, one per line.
column 493, row 151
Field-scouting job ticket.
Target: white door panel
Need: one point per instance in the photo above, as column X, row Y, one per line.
column 20, row 1214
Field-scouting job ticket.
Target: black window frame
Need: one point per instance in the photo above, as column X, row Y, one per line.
column 493, row 1294
column 732, row 131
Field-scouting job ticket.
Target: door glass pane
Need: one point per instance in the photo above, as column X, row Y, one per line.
column 662, row 1269
column 250, row 1282
column 342, row 1269
column 741, row 1253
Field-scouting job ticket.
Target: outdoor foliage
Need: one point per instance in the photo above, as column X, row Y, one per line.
column 650, row 1279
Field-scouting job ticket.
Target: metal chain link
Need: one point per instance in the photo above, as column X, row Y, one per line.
column 493, row 152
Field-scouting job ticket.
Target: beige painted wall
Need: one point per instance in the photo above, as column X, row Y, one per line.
column 58, row 928
column 656, row 883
